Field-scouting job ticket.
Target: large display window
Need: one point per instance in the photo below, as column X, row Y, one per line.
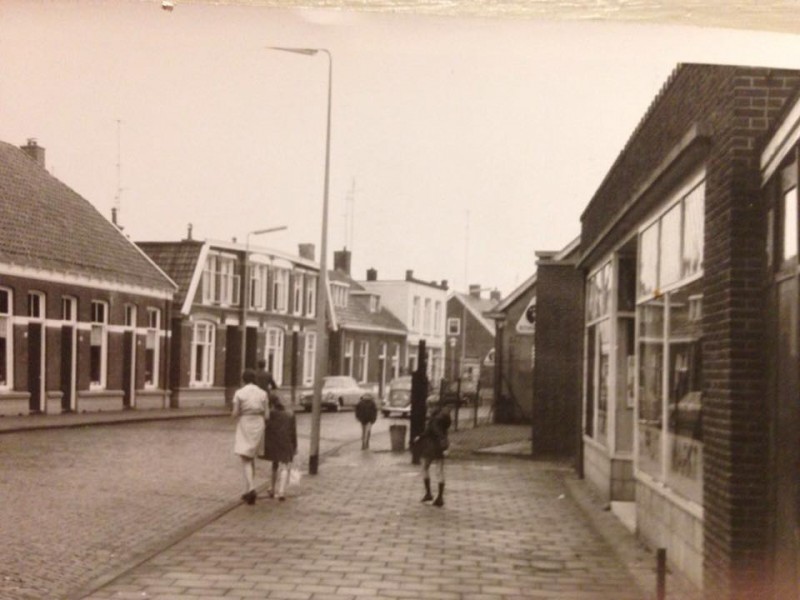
column 669, row 344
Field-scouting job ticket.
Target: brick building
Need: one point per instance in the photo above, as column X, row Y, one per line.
column 676, row 410
column 83, row 312
column 420, row 306
column 367, row 341
column 469, row 353
column 207, row 341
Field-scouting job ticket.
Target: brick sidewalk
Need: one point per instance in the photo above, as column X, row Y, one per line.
column 509, row 530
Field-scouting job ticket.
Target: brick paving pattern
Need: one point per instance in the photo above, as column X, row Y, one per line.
column 357, row 530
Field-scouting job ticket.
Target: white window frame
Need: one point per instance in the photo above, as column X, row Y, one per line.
column 395, row 360
column 415, row 308
column 7, row 327
column 311, row 296
column 259, row 282
column 129, row 316
column 453, row 326
column 153, row 337
column 273, row 351
column 99, row 326
column 37, row 303
column 339, row 294
column 310, row 358
column 297, row 294
column 363, row 360
column 437, row 318
column 220, row 283
column 426, row 315
column 208, row 331
column 347, row 368
column 69, row 309
column 280, row 290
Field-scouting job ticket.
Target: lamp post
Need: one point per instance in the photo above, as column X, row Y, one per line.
column 322, row 281
column 246, row 299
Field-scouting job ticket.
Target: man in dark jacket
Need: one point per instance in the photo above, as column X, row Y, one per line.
column 367, row 414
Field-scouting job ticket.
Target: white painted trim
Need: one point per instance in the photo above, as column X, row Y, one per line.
column 373, row 329
column 781, row 143
column 478, row 316
column 73, row 279
column 513, row 296
column 195, row 281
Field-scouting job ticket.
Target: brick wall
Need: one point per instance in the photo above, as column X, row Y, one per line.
column 558, row 367
column 728, row 110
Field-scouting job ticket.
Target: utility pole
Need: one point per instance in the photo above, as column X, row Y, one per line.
column 419, row 395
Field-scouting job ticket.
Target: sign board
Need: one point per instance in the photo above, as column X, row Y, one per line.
column 527, row 321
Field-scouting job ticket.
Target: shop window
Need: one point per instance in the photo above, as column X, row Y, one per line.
column 6, row 336
column 98, row 353
column 152, row 347
column 669, row 351
column 203, row 340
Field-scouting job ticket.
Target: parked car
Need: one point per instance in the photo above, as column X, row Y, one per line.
column 338, row 392
column 454, row 395
column 398, row 397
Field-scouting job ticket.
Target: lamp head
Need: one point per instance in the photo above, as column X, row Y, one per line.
column 306, row 51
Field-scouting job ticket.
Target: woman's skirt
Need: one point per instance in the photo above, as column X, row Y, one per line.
column 249, row 432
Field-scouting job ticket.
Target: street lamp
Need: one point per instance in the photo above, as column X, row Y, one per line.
column 322, row 281
column 246, row 299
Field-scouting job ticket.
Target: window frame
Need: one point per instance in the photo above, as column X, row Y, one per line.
column 99, row 323
column 208, row 359
column 7, row 324
column 153, row 333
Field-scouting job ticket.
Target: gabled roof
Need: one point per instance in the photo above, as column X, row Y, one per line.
column 477, row 306
column 178, row 259
column 48, row 227
column 357, row 315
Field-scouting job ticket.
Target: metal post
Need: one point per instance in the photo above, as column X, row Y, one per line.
column 661, row 574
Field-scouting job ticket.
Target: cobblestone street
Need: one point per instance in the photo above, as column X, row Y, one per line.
column 80, row 502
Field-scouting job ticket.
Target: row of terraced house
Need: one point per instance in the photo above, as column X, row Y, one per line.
column 90, row 321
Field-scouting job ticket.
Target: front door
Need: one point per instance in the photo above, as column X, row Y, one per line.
column 68, row 342
column 36, row 366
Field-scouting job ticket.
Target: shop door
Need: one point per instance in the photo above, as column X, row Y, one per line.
column 787, row 443
column 35, row 367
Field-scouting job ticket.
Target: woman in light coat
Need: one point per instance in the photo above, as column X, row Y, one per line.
column 250, row 408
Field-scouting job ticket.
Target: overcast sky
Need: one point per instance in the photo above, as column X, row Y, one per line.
column 472, row 143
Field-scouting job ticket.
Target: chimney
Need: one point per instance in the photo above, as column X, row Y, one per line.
column 341, row 261
column 475, row 290
column 444, row 284
column 189, row 232
column 409, row 275
column 306, row 251
column 372, row 274
column 35, row 151
column 495, row 296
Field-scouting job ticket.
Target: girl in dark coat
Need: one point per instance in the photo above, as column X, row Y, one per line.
column 432, row 445
column 280, row 446
column 367, row 414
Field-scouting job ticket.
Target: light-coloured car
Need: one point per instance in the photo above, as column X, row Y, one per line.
column 338, row 392
column 398, row 397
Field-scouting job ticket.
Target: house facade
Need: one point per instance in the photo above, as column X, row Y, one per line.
column 686, row 331
column 215, row 336
column 469, row 352
column 367, row 341
column 420, row 306
column 83, row 312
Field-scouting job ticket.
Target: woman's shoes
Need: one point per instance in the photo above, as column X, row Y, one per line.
column 249, row 497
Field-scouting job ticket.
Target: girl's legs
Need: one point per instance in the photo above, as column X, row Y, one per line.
column 426, row 478
column 365, row 437
column 283, row 477
column 440, row 472
column 274, row 479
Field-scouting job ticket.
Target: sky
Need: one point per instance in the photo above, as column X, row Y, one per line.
column 459, row 146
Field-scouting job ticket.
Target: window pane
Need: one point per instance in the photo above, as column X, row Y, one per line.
column 693, row 231
column 603, row 366
column 651, row 367
column 648, row 261
column 670, row 246
column 685, row 473
column 4, row 302
column 590, row 370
